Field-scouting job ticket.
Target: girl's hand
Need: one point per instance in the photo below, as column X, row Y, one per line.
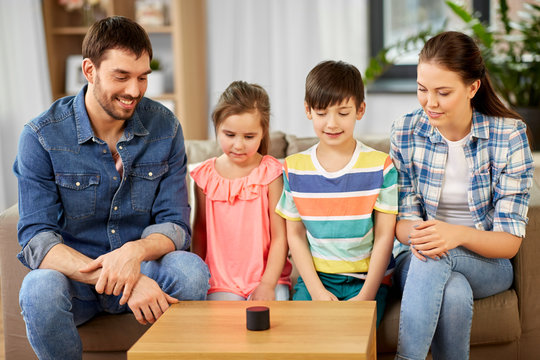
column 263, row 292
column 434, row 238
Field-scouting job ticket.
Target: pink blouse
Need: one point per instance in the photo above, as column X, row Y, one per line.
column 238, row 226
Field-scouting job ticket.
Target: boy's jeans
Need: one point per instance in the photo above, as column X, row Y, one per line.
column 53, row 305
column 437, row 302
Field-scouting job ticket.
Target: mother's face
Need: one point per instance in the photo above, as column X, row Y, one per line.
column 446, row 99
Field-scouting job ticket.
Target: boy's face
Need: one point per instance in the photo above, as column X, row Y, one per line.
column 335, row 125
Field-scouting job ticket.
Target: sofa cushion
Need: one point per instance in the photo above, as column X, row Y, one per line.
column 278, row 145
column 495, row 320
column 111, row 332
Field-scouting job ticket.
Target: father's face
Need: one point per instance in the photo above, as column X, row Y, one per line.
column 120, row 82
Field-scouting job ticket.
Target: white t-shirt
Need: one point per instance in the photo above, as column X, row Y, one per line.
column 453, row 205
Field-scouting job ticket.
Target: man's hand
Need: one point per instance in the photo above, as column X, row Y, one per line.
column 263, row 292
column 147, row 301
column 120, row 271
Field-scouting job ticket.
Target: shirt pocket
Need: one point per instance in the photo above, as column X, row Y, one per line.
column 145, row 179
column 481, row 184
column 78, row 194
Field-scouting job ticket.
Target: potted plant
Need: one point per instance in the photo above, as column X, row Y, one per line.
column 512, row 57
column 156, row 79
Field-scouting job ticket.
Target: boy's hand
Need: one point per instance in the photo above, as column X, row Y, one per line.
column 263, row 292
column 323, row 295
column 360, row 297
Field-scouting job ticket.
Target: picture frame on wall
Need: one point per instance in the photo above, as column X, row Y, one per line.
column 75, row 79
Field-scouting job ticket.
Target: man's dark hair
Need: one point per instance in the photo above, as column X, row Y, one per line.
column 115, row 32
column 331, row 82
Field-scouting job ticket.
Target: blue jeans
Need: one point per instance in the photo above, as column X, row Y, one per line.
column 53, row 305
column 437, row 302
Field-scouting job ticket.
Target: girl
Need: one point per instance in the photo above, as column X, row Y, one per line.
column 465, row 170
column 236, row 229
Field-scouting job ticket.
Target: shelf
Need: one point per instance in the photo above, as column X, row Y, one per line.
column 158, row 29
column 187, row 47
column 70, row 30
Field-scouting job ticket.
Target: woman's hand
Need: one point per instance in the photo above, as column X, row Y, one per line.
column 434, row 238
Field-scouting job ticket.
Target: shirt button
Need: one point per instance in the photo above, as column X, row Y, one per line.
column 120, row 147
column 104, row 151
column 114, row 178
column 115, row 208
column 150, row 173
column 78, row 183
column 113, row 231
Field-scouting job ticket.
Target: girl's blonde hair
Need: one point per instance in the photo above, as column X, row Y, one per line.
column 241, row 97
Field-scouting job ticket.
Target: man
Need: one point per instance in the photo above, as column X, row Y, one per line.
column 104, row 217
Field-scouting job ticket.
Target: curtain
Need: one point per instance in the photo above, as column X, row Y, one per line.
column 275, row 43
column 25, row 90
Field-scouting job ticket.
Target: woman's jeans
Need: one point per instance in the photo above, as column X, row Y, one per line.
column 53, row 305
column 437, row 302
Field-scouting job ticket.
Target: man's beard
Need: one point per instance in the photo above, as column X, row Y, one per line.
column 108, row 105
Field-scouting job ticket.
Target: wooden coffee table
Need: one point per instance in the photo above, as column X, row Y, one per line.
column 298, row 330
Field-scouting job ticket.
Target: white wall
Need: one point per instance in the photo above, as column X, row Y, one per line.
column 302, row 31
column 383, row 109
column 25, row 90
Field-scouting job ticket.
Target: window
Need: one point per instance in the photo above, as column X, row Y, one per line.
column 392, row 20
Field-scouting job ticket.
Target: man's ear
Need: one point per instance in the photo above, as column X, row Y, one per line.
column 308, row 111
column 88, row 70
column 361, row 111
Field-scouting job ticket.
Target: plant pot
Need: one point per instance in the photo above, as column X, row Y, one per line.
column 531, row 117
column 156, row 84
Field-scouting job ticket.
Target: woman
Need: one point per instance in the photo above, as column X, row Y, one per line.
column 465, row 170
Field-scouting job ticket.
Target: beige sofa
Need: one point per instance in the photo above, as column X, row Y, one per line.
column 505, row 326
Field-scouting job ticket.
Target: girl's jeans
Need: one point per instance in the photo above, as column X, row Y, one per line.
column 53, row 305
column 437, row 302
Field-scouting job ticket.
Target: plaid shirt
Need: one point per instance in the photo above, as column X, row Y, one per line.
column 501, row 166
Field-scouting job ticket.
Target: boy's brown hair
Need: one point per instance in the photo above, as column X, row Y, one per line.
column 331, row 82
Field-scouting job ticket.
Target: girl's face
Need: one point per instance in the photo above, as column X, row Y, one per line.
column 240, row 136
column 446, row 99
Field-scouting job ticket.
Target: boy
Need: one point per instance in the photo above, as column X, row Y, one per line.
column 339, row 197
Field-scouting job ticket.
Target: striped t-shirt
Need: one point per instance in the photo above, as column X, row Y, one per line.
column 337, row 208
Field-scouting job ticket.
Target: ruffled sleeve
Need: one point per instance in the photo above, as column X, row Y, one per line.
column 218, row 188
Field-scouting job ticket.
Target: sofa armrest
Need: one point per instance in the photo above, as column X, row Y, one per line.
column 527, row 283
column 12, row 273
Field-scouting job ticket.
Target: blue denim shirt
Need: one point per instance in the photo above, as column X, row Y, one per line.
column 70, row 191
